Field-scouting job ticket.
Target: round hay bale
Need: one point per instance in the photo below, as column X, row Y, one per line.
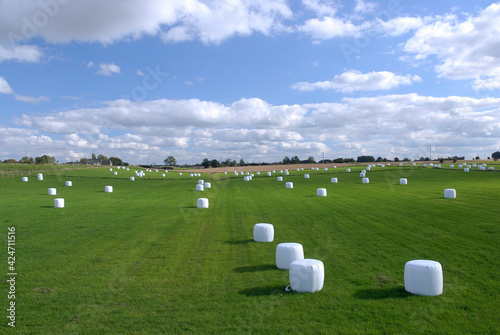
column 306, row 176
column 108, row 189
column 280, row 178
column 52, row 191
column 59, row 203
column 246, row 178
column 423, row 277
column 163, row 175
column 334, row 180
column 452, row 165
column 202, row 203
column 268, row 174
column 132, row 178
column 289, row 185
column 24, row 179
column 200, row 187
column 307, row 275
column 69, row 183
column 115, row 173
column 466, row 169
column 365, row 180
column 403, row 181
column 321, row 192
column 207, row 185
column 491, row 168
column 347, row 170
column 450, row 193
column 362, row 174
column 263, row 232
column 201, row 181
column 39, row 176
column 286, row 253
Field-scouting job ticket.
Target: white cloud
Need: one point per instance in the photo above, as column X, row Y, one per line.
column 398, row 25
column 466, row 49
column 6, row 89
column 364, row 7
column 20, row 53
column 331, row 27
column 352, row 81
column 108, row 69
column 321, row 7
column 139, row 72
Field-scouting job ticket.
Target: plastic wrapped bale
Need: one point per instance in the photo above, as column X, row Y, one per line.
column 491, row 168
column 59, row 203
column 163, row 175
column 24, row 179
column 202, row 203
column 108, row 189
column 347, row 170
column 69, row 183
column 423, row 277
column 306, row 176
column 307, row 275
column 200, row 187
column 115, row 173
column 425, row 165
column 39, row 176
column 110, row 169
column 321, row 192
column 289, row 184
column 365, row 180
column 52, row 191
column 466, row 169
column 334, row 180
column 207, row 185
column 403, row 181
column 132, row 178
column 325, row 169
column 268, row 174
column 450, row 193
column 286, row 253
column 263, row 232
column 246, row 178
column 257, row 173
column 280, row 178
column 287, row 173
column 362, row 174
column 180, row 173
column 201, row 181
column 452, row 165
column 474, row 165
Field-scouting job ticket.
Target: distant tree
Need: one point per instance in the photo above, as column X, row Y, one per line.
column 477, row 157
column 242, row 162
column 45, row 160
column 406, row 159
column 379, row 159
column 205, row 163
column 286, row 160
column 365, row 159
column 455, row 159
column 104, row 158
column 311, row 160
column 170, row 161
column 441, row 160
column 495, row 155
column 10, row 160
column 27, row 160
column 83, row 160
column 93, row 156
column 396, row 159
column 338, row 160
column 295, row 160
column 214, row 163
column 427, row 159
column 116, row 161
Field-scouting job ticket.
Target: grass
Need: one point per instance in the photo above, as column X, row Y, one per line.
column 145, row 260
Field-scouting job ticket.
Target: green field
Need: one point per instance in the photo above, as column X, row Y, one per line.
column 145, row 260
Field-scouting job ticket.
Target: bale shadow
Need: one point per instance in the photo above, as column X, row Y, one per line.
column 239, row 242
column 263, row 291
column 255, row 268
column 48, row 206
column 382, row 293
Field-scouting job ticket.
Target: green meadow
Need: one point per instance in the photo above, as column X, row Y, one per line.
column 145, row 260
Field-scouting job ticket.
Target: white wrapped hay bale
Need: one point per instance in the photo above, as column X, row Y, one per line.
column 280, row 178
column 110, row 169
column 321, row 192
column 466, row 169
column 201, row 181
column 163, row 175
column 263, row 232
column 306, row 176
column 24, row 179
column 258, row 173
column 108, row 189
column 268, row 174
column 365, row 180
column 289, row 184
column 307, row 275
column 286, row 253
column 450, row 193
column 334, row 180
column 180, row 173
column 39, row 176
column 246, row 178
column 347, row 170
column 58, row 203
column 423, row 277
column 326, row 169
column 132, row 178
column 202, row 203
column 287, row 173
column 491, row 168
column 69, row 183
column 403, row 181
column 200, row 187
column 52, row 191
column 207, row 185
column 115, row 173
column 362, row 174
column 452, row 165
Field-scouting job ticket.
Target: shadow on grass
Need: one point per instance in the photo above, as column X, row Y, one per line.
column 382, row 293
column 239, row 242
column 255, row 268
column 263, row 291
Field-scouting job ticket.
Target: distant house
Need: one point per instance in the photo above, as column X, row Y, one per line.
column 98, row 162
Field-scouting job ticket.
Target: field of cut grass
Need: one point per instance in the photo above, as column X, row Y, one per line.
column 145, row 260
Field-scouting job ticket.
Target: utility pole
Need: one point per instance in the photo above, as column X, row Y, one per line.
column 430, row 151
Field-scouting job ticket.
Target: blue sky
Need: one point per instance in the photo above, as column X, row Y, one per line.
column 254, row 80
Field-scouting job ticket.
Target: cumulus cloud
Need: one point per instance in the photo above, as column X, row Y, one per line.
column 20, row 53
column 330, row 27
column 352, row 81
column 6, row 89
column 466, row 49
column 108, row 69
column 253, row 129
